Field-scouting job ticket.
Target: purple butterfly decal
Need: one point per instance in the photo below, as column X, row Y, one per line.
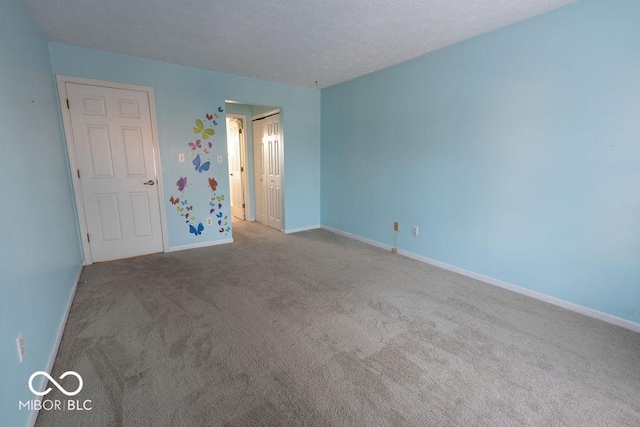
column 195, row 144
column 182, row 182
column 210, row 144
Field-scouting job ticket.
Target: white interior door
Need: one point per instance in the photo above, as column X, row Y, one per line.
column 259, row 169
column 235, row 168
column 113, row 139
column 273, row 149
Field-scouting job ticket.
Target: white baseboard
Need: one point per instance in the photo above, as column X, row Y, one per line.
column 33, row 416
column 358, row 238
column 590, row 312
column 199, row 245
column 299, row 229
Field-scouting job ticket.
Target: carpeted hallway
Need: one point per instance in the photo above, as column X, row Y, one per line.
column 317, row 329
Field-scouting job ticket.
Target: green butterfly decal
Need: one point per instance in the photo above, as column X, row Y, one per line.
column 220, row 198
column 206, row 132
column 179, row 209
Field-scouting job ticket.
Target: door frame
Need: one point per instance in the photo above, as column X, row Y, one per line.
column 61, row 82
column 243, row 164
column 282, row 160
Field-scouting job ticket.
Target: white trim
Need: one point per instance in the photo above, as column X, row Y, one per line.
column 590, row 312
column 358, row 238
column 33, row 416
column 61, row 82
column 243, row 162
column 199, row 245
column 299, row 229
column 268, row 113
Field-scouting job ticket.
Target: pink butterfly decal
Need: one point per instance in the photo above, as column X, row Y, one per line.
column 182, row 182
column 196, row 144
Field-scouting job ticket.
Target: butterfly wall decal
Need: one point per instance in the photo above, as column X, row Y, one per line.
column 196, row 144
column 219, row 214
column 182, row 182
column 213, row 184
column 196, row 230
column 210, row 144
column 209, row 116
column 200, row 167
column 220, row 109
column 174, row 201
column 206, row 132
column 221, row 230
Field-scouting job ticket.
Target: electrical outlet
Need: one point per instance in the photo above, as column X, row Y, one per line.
column 209, row 221
column 396, row 226
column 219, row 158
column 414, row 230
column 22, row 351
column 181, row 158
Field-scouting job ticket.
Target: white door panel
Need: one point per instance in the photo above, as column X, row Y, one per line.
column 259, row 172
column 268, row 174
column 113, row 141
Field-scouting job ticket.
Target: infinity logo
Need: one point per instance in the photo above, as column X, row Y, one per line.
column 66, row 374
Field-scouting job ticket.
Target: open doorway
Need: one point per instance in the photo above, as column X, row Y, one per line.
column 256, row 163
column 236, row 151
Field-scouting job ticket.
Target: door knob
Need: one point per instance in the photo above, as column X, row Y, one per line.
column 150, row 182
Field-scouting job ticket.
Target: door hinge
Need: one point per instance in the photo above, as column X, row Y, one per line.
column 68, row 107
column 88, row 238
column 241, row 169
column 78, row 170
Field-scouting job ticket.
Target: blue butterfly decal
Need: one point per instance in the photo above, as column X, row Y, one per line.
column 220, row 109
column 197, row 231
column 211, row 211
column 219, row 205
column 219, row 222
column 219, row 214
column 200, row 167
column 228, row 229
column 215, row 123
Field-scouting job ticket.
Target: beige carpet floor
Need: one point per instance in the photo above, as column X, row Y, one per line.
column 318, row 329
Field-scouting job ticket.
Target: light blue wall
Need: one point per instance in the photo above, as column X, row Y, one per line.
column 39, row 255
column 183, row 94
column 516, row 152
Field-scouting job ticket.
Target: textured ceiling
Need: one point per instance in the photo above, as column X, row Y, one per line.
column 290, row 41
